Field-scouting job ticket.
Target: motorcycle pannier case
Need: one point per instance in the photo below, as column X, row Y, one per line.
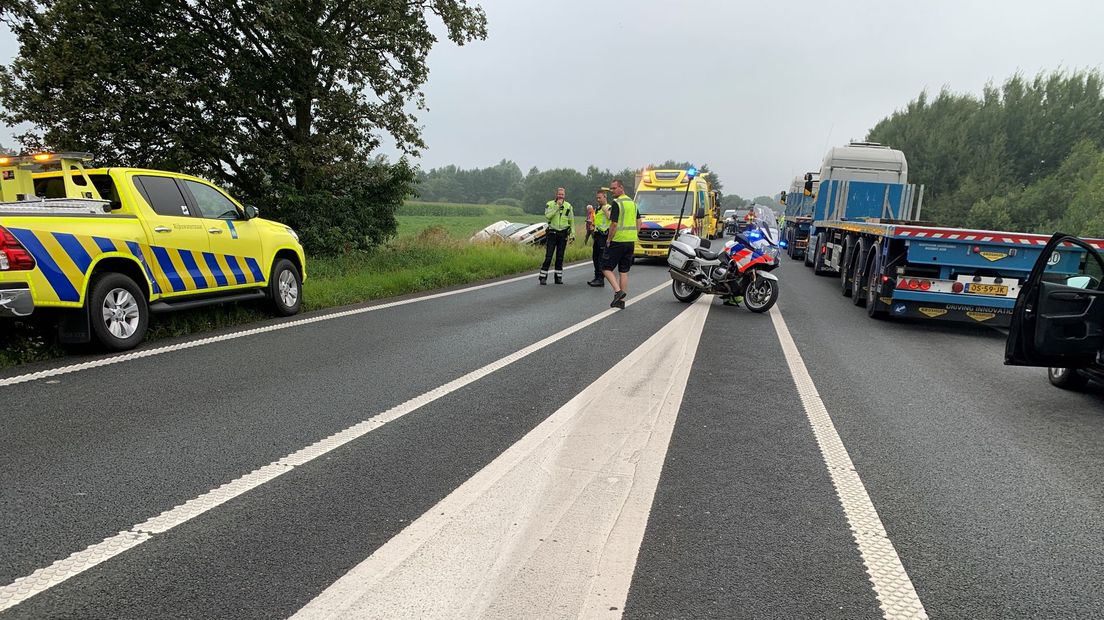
column 680, row 254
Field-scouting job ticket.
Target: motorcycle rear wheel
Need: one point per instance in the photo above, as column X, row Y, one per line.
column 684, row 292
column 761, row 295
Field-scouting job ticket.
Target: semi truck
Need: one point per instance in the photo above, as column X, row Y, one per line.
column 660, row 196
column 798, row 205
column 866, row 230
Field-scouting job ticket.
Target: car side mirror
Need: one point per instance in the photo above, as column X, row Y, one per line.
column 251, row 212
column 700, row 213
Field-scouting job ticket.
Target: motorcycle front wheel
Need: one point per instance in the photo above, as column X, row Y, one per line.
column 684, row 292
column 761, row 295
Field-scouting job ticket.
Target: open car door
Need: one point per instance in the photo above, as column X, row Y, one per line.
column 1058, row 320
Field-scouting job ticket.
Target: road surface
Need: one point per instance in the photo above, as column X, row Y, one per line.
column 514, row 451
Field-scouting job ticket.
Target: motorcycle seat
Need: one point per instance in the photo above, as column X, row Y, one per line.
column 706, row 254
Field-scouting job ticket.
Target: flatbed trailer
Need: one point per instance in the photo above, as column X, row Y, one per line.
column 908, row 269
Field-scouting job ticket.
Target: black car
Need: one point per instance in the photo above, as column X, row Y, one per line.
column 1058, row 321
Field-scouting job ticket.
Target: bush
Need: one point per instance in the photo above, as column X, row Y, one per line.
column 353, row 210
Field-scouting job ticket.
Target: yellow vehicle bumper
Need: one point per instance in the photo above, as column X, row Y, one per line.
column 652, row 248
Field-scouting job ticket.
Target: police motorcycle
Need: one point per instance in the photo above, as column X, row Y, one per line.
column 740, row 269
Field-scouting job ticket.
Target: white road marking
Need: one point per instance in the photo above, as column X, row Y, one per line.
column 43, row 579
column 191, row 344
column 553, row 526
column 891, row 583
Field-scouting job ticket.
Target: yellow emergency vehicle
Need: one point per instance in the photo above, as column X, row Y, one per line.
column 660, row 194
column 104, row 248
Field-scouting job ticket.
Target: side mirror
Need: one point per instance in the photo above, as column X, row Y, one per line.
column 251, row 212
column 700, row 213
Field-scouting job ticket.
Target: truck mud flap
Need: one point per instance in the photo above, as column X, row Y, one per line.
column 927, row 311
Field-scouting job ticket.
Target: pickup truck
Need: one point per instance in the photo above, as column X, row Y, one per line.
column 99, row 250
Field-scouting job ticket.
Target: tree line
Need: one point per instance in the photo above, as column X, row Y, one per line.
column 285, row 104
column 1027, row 155
column 504, row 183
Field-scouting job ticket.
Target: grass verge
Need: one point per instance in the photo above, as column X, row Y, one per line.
column 425, row 259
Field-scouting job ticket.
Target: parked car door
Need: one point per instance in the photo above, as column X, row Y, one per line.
column 1058, row 320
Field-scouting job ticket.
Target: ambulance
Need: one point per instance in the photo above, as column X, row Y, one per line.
column 660, row 195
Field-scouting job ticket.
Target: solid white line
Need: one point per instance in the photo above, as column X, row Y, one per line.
column 553, row 526
column 890, row 582
column 43, row 579
column 191, row 344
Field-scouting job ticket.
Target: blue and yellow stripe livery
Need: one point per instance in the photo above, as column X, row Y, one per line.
column 65, row 261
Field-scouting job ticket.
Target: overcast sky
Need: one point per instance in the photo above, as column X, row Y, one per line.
column 756, row 91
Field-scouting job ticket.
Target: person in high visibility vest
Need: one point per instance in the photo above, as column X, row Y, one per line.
column 600, row 230
column 561, row 229
column 620, row 242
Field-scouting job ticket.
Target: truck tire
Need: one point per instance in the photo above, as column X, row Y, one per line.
column 285, row 288
column 118, row 311
column 1066, row 378
column 845, row 267
column 858, row 276
column 810, row 252
column 818, row 258
column 873, row 274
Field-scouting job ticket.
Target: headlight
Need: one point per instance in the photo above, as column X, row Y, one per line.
column 292, row 233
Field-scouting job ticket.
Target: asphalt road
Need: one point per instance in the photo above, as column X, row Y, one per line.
column 717, row 502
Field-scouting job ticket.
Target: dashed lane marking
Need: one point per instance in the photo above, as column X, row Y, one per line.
column 43, row 579
column 191, row 344
column 892, row 586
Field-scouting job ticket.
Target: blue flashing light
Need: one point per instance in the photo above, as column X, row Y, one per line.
column 692, row 172
column 782, row 244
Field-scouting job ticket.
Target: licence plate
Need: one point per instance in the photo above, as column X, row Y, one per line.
column 987, row 289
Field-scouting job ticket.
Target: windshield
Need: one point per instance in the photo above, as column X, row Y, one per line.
column 512, row 228
column 663, row 203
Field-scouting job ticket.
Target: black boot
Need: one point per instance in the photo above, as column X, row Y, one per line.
column 597, row 282
column 559, row 279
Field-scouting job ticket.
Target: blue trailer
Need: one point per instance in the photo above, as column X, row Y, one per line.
column 867, row 235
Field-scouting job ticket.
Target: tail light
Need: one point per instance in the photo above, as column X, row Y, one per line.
column 914, row 284
column 957, row 287
column 13, row 256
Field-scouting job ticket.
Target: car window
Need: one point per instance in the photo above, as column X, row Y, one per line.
column 163, row 195
column 54, row 187
column 211, row 202
column 511, row 229
column 1074, row 266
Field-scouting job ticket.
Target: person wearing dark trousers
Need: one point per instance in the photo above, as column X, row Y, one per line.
column 600, row 233
column 561, row 229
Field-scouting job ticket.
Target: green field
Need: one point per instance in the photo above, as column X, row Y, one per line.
column 429, row 252
column 460, row 220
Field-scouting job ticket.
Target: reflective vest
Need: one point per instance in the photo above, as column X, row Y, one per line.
column 601, row 222
column 626, row 221
column 558, row 218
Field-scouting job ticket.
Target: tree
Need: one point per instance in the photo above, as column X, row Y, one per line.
column 1006, row 160
column 277, row 98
